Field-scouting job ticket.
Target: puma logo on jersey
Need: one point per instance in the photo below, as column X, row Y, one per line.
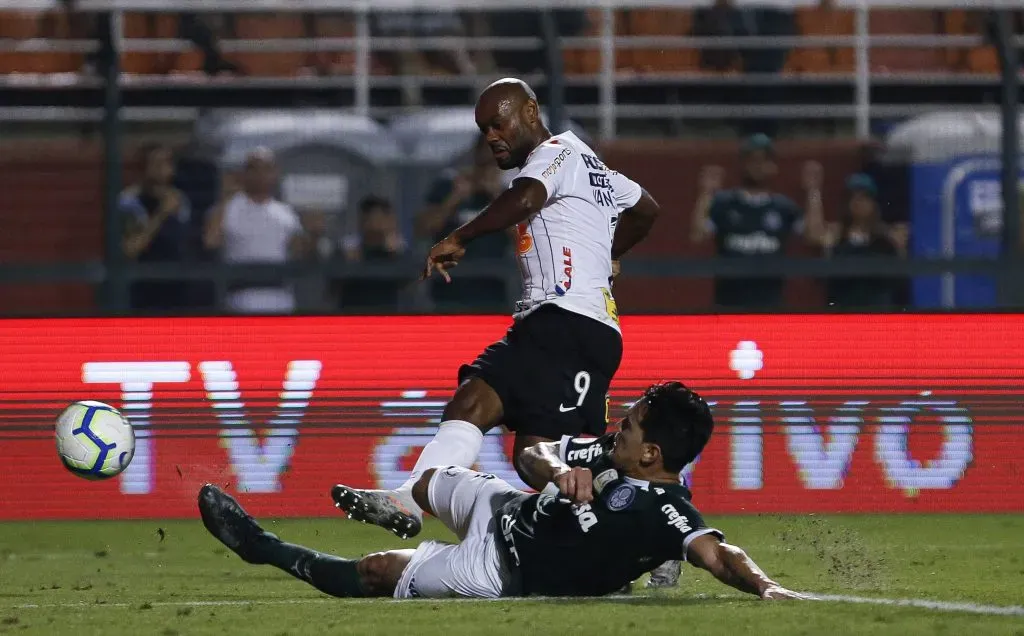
column 676, row 520
column 586, row 518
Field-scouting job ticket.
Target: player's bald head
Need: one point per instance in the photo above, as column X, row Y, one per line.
column 509, row 117
column 508, row 92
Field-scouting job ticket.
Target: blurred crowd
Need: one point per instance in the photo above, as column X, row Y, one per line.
column 249, row 224
column 207, row 31
column 177, row 211
column 742, row 214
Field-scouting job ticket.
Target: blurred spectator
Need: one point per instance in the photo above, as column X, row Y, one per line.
column 766, row 22
column 719, row 20
column 527, row 24
column 861, row 232
column 753, row 221
column 378, row 241
column 156, row 228
column 252, row 226
column 378, row 238
column 723, row 19
column 410, row 63
column 455, row 198
column 198, row 30
column 891, row 187
column 892, row 181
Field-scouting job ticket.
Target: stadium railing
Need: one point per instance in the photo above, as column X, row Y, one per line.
column 870, row 93
column 606, row 110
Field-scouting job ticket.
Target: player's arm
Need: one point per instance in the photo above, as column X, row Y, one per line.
column 513, row 206
column 542, row 465
column 732, row 566
column 634, row 224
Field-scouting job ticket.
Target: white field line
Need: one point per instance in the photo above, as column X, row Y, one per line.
column 942, row 606
column 939, row 606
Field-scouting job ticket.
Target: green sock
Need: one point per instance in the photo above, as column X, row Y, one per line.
column 329, row 574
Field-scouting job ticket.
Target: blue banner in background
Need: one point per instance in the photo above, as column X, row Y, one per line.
column 956, row 205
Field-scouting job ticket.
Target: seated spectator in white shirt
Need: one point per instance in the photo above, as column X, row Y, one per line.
column 252, row 226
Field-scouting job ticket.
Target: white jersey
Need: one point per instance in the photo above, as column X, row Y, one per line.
column 564, row 250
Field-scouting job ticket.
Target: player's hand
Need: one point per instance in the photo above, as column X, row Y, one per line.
column 442, row 257
column 813, row 176
column 779, row 593
column 577, row 484
column 711, row 179
column 616, row 268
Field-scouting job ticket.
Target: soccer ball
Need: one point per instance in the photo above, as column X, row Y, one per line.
column 94, row 440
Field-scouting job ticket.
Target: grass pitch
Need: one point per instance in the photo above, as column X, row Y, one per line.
column 170, row 578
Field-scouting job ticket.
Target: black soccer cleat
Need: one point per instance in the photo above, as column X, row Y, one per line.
column 231, row 524
column 376, row 507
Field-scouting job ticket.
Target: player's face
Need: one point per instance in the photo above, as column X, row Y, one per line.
column 505, row 129
column 629, row 441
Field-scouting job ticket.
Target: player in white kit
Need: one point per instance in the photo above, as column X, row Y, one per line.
column 549, row 376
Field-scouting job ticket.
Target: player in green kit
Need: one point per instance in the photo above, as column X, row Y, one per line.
column 609, row 510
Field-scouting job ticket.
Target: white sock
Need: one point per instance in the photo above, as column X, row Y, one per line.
column 457, row 443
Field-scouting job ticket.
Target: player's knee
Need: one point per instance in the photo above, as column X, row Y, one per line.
column 477, row 403
column 380, row 572
column 421, row 489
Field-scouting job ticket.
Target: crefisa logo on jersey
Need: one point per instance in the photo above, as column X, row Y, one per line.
column 620, row 497
column 566, row 284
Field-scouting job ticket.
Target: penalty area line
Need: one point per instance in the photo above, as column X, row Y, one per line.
column 939, row 606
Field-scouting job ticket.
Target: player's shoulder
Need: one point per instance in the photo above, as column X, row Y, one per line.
column 560, row 149
column 672, row 504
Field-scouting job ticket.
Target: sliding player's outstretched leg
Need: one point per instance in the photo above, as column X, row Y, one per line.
column 374, row 575
column 231, row 525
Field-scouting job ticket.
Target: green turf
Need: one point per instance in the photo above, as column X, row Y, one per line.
column 119, row 577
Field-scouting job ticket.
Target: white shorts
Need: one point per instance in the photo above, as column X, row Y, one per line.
column 465, row 501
